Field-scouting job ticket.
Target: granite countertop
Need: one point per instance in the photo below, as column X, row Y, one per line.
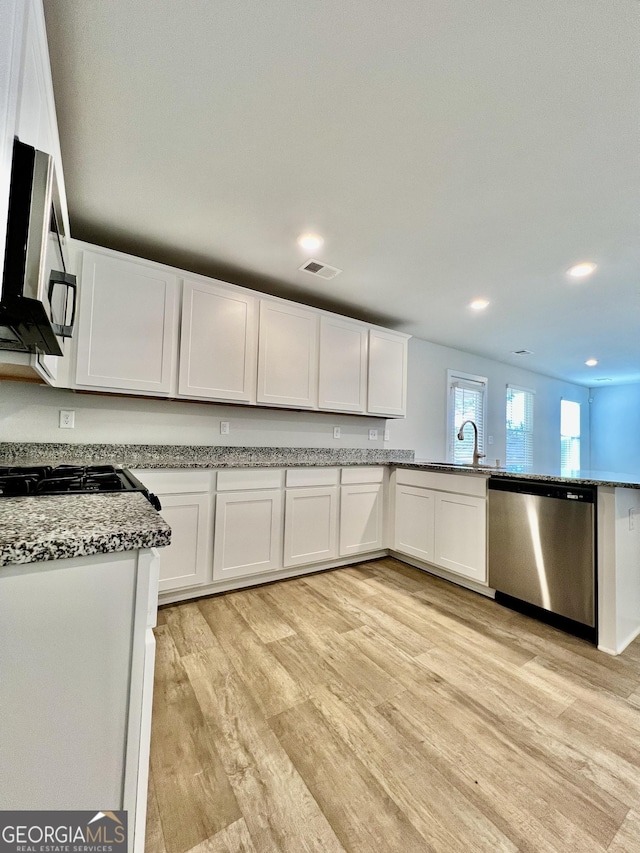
column 580, row 478
column 213, row 456
column 54, row 527
column 193, row 456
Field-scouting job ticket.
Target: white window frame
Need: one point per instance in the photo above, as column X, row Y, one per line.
column 473, row 382
column 565, row 471
column 527, row 464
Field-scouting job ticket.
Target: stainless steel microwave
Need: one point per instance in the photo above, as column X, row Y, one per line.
column 38, row 296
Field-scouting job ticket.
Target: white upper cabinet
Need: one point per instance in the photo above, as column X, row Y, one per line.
column 34, row 122
column 343, row 365
column 218, row 343
column 127, row 329
column 288, row 355
column 387, row 373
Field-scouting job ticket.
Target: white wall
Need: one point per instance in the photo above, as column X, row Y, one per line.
column 615, row 428
column 425, row 426
column 30, row 413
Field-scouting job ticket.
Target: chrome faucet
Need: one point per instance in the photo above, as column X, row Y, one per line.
column 476, row 455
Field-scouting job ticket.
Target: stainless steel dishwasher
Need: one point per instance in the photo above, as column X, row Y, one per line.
column 542, row 551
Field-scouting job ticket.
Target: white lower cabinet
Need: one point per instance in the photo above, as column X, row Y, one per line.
column 187, row 561
column 187, row 504
column 414, row 528
column 446, row 529
column 311, row 525
column 460, row 542
column 361, row 518
column 248, row 533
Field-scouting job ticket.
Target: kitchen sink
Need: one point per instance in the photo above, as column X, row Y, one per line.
column 467, row 466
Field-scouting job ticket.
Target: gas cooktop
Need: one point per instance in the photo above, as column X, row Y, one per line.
column 69, row 479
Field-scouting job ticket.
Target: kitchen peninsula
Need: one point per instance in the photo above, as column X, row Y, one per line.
column 78, row 598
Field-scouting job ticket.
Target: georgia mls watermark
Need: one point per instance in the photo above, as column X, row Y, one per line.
column 63, row 832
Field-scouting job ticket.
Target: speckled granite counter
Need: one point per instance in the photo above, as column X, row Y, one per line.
column 212, row 456
column 582, row 478
column 192, row 456
column 55, row 527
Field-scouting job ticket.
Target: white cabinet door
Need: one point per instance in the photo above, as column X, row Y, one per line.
column 288, row 355
column 387, row 373
column 187, row 561
column 218, row 344
column 343, row 365
column 361, row 518
column 248, row 534
column 461, row 524
column 127, row 329
column 36, row 113
column 415, row 522
column 311, row 525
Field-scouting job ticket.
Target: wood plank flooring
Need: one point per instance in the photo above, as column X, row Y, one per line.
column 376, row 709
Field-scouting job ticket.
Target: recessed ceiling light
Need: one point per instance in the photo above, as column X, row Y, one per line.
column 310, row 242
column 581, row 270
column 479, row 304
column 591, row 362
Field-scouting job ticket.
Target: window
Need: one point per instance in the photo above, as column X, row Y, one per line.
column 519, row 429
column 569, row 437
column 467, row 394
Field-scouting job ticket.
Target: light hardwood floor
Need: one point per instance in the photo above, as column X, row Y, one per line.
column 378, row 709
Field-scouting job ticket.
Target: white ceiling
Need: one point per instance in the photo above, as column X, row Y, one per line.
column 445, row 149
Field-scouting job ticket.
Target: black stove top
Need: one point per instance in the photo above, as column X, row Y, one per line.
column 68, row 479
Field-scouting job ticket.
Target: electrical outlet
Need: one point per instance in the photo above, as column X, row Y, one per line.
column 387, row 436
column 373, row 435
column 490, row 439
column 224, row 427
column 67, row 419
column 336, row 432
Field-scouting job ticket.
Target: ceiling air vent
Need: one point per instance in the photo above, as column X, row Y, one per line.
column 321, row 270
column 522, row 352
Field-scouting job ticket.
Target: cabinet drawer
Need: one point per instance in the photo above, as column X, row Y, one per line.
column 176, row 481
column 462, row 484
column 362, row 475
column 312, row 477
column 238, row 479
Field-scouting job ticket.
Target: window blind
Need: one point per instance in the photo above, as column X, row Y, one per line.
column 519, row 429
column 466, row 402
column 569, row 437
